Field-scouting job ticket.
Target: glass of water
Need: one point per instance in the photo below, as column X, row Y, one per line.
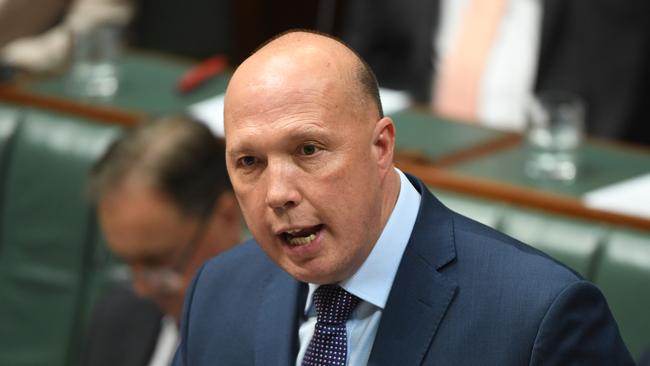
column 95, row 70
column 555, row 125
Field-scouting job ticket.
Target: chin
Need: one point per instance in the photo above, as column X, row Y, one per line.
column 169, row 307
column 318, row 277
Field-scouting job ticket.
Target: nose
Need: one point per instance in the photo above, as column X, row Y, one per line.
column 282, row 192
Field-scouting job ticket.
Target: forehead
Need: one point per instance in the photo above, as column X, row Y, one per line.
column 288, row 93
column 274, row 77
column 140, row 221
column 291, row 113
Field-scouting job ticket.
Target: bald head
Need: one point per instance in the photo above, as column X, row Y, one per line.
column 302, row 60
column 309, row 155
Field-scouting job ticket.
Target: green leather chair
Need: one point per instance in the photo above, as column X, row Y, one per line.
column 623, row 274
column 8, row 125
column 47, row 237
column 486, row 212
column 572, row 242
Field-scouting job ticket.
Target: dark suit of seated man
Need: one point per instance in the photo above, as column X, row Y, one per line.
column 645, row 358
column 355, row 262
column 165, row 205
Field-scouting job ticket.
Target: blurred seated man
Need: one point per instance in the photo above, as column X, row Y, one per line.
column 36, row 35
column 165, row 205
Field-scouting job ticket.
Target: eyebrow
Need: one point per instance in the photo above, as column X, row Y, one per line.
column 307, row 132
column 302, row 133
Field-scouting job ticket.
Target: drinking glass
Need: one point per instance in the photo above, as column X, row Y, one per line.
column 95, row 70
column 555, row 125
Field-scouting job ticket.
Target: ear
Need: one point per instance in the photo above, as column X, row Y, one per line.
column 384, row 143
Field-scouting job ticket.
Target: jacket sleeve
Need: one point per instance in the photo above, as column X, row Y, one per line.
column 579, row 329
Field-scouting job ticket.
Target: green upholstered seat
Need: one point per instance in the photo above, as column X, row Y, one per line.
column 486, row 212
column 572, row 242
column 8, row 125
column 47, row 237
column 623, row 275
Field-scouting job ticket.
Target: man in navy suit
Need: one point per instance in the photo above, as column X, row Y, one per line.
column 310, row 156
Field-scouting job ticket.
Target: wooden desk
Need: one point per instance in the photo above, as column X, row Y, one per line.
column 498, row 174
column 428, row 140
column 147, row 90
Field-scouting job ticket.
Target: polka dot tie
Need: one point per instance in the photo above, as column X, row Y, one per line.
column 328, row 345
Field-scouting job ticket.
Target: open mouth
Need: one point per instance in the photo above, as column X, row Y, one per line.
column 300, row 237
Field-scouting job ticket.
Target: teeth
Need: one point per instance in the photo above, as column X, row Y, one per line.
column 302, row 240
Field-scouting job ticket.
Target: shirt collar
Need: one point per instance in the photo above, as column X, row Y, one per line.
column 373, row 280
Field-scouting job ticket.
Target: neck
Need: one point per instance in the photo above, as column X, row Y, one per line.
column 392, row 188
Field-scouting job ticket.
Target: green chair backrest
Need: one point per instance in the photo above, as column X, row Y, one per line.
column 623, row 275
column 47, row 238
column 572, row 242
column 8, row 126
column 486, row 212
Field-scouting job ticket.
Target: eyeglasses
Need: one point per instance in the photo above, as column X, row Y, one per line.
column 169, row 279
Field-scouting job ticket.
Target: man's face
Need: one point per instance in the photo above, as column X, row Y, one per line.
column 303, row 162
column 151, row 235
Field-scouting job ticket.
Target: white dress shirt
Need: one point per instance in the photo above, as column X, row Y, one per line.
column 372, row 281
column 167, row 342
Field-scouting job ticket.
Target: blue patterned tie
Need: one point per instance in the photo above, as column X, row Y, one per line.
column 328, row 345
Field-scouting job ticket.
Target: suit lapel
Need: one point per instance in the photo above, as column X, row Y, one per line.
column 281, row 307
column 420, row 296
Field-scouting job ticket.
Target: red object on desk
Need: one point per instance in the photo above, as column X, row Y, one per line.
column 201, row 73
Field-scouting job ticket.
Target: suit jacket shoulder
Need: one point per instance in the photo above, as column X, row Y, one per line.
column 481, row 297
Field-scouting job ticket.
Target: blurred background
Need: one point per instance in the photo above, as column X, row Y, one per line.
column 530, row 116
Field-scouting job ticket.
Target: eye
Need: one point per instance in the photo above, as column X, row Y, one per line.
column 246, row 161
column 308, row 149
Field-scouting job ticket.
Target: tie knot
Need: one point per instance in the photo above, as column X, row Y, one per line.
column 333, row 304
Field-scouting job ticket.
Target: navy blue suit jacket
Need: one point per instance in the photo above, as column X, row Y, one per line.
column 464, row 294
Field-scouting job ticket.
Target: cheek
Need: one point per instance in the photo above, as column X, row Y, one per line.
column 252, row 214
column 247, row 197
column 254, row 211
column 346, row 206
column 350, row 183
